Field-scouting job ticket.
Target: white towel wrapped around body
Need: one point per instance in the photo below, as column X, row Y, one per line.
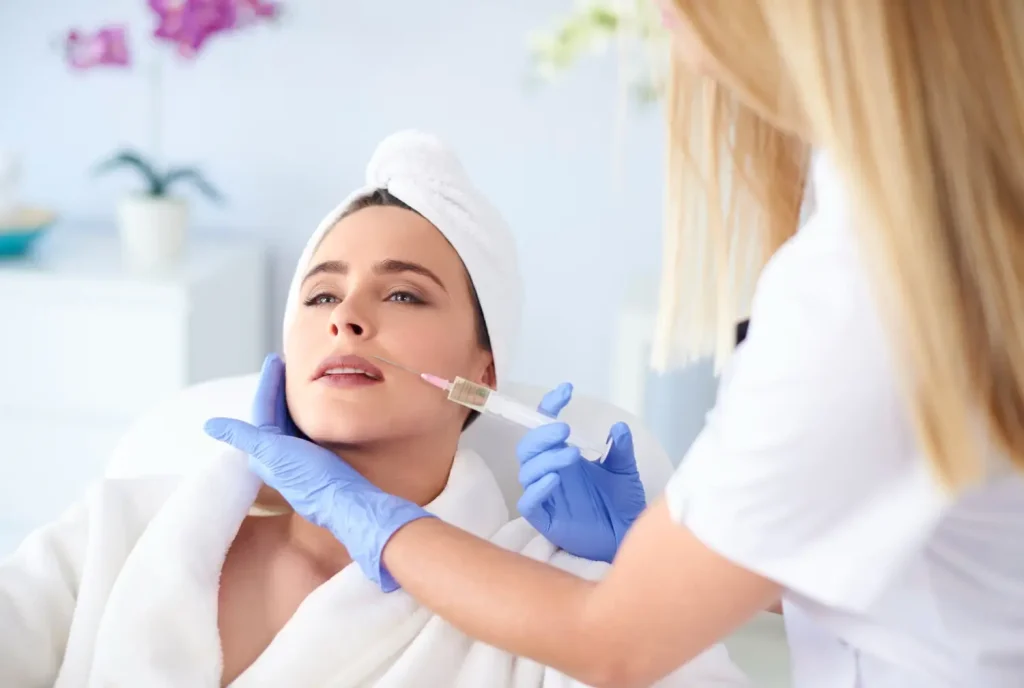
column 123, row 592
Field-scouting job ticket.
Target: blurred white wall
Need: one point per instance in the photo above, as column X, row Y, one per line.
column 283, row 119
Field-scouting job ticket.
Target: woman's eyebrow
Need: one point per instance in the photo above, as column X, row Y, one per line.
column 392, row 266
column 388, row 266
column 337, row 267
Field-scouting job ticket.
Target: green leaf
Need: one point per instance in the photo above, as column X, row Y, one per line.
column 136, row 161
column 193, row 175
column 632, row 29
column 604, row 18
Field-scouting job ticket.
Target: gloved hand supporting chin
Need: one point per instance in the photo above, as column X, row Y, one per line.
column 320, row 486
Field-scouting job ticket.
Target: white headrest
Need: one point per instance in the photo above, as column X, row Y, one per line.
column 169, row 440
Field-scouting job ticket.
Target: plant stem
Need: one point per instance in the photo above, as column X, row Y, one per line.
column 620, row 40
column 156, row 111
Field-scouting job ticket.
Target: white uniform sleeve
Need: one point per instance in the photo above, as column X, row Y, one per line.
column 38, row 590
column 807, row 471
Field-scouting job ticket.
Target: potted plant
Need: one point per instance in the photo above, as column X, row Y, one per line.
column 152, row 223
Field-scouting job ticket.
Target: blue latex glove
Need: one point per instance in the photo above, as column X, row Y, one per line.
column 269, row 406
column 320, row 486
column 583, row 507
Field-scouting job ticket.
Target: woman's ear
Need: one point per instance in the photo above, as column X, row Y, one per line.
column 484, row 367
column 490, row 377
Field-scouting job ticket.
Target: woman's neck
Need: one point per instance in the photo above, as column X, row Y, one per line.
column 414, row 469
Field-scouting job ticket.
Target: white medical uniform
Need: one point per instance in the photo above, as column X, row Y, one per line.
column 808, row 473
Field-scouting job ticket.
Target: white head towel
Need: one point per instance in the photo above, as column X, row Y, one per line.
column 422, row 172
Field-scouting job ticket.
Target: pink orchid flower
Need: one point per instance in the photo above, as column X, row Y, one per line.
column 107, row 47
column 191, row 23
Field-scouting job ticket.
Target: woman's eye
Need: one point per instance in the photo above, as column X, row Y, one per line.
column 404, row 297
column 321, row 299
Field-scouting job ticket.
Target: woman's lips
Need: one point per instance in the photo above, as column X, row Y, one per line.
column 348, row 371
column 347, row 380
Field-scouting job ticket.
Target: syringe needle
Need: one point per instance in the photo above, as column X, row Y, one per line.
column 434, row 380
column 397, row 365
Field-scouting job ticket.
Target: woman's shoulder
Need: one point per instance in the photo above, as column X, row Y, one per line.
column 97, row 530
column 131, row 501
column 145, row 489
column 819, row 316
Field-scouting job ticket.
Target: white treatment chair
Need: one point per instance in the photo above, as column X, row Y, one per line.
column 169, row 440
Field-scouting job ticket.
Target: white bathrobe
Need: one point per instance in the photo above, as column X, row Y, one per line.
column 123, row 592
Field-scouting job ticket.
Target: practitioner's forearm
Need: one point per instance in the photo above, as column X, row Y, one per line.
column 504, row 599
column 665, row 600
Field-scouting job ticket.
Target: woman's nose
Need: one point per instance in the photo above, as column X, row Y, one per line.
column 348, row 320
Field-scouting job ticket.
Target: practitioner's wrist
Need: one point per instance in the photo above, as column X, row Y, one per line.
column 364, row 521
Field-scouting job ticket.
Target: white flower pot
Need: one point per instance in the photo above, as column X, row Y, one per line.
column 152, row 231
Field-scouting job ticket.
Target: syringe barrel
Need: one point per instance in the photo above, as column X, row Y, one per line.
column 523, row 415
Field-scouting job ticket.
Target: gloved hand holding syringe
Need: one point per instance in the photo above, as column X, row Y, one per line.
column 485, row 400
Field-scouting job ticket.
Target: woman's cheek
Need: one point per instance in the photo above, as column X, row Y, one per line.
column 297, row 400
column 423, row 346
column 448, row 360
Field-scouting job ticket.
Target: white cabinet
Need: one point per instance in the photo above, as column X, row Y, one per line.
column 85, row 346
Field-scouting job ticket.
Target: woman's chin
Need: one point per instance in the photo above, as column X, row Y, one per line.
column 335, row 436
column 364, row 427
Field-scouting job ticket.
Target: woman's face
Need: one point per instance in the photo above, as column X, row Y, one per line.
column 385, row 282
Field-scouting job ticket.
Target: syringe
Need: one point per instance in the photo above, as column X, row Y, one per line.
column 485, row 400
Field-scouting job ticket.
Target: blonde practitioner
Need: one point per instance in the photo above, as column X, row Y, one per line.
column 864, row 461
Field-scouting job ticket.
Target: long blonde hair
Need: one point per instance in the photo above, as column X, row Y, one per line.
column 921, row 107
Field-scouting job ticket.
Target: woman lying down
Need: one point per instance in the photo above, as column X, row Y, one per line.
column 163, row 582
